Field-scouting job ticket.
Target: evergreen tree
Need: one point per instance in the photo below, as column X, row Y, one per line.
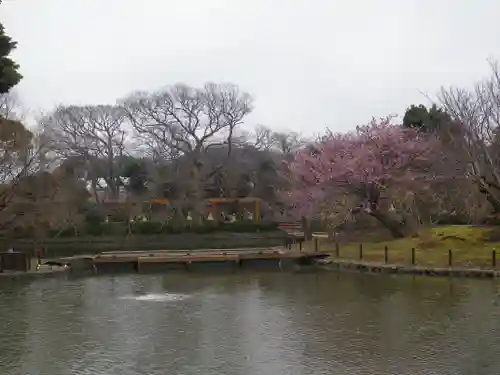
column 9, row 74
column 426, row 120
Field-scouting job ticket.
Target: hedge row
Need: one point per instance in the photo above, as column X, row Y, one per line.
column 492, row 220
column 146, row 228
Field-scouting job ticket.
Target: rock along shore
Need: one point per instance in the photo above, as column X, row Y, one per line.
column 346, row 265
column 42, row 272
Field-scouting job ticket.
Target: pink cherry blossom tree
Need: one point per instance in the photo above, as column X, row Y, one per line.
column 373, row 163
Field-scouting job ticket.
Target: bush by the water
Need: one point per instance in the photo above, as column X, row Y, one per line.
column 453, row 219
column 94, row 227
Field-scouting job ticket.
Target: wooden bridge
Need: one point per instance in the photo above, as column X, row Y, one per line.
column 202, row 259
column 294, row 231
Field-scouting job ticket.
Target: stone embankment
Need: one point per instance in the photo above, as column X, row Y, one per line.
column 346, row 265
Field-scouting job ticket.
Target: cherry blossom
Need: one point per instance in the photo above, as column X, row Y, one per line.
column 364, row 162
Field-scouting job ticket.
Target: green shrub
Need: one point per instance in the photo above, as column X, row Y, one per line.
column 62, row 233
column 266, row 226
column 118, row 213
column 453, row 219
column 94, row 216
column 114, row 229
column 106, row 229
column 176, row 225
column 22, row 232
column 97, row 229
column 247, row 226
column 492, row 220
column 205, row 227
column 147, row 227
column 94, row 227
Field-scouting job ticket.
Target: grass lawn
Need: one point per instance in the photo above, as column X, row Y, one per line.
column 471, row 247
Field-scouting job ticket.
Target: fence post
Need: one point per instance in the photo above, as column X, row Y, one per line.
column 360, row 251
column 386, row 254
column 337, row 249
column 450, row 258
column 316, row 244
column 413, row 256
column 494, row 258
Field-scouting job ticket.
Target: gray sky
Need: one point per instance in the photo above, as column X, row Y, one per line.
column 309, row 64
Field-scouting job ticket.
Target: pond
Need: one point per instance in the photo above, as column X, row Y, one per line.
column 249, row 323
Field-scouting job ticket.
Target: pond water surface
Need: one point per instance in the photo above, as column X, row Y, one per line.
column 249, row 323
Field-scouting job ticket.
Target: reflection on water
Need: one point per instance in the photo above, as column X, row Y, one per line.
column 156, row 297
column 250, row 324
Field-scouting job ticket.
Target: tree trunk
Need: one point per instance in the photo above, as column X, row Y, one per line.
column 492, row 199
column 395, row 226
column 306, row 228
column 330, row 231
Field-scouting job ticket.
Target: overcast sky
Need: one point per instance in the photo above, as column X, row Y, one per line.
column 309, row 64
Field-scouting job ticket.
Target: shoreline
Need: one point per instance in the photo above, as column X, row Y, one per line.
column 13, row 275
column 326, row 265
column 401, row 269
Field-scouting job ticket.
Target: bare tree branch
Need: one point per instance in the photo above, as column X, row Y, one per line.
column 10, row 106
column 183, row 119
column 181, row 124
column 95, row 136
column 477, row 116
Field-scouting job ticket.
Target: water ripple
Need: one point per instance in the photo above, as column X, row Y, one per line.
column 250, row 324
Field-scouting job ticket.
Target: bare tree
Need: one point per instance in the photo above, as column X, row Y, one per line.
column 20, row 155
column 16, row 141
column 44, row 201
column 16, row 150
column 476, row 113
column 284, row 144
column 275, row 147
column 183, row 120
column 182, row 123
column 92, row 136
column 10, row 106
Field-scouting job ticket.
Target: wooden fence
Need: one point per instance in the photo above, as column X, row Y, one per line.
column 412, row 253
